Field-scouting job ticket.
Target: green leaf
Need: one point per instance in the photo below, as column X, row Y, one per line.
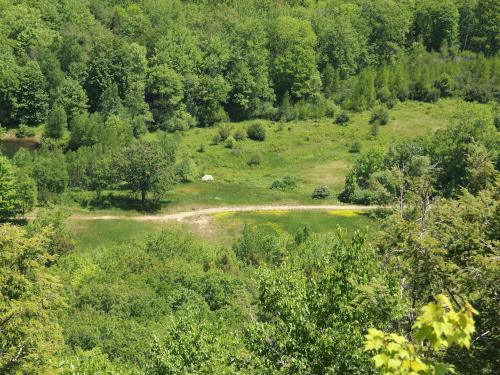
column 380, row 360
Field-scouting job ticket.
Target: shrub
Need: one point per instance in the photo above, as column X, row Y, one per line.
column 25, row 131
column 331, row 109
column 424, row 92
column 342, row 118
column 186, row 170
column 216, row 139
column 285, row 184
column 355, row 147
column 230, row 142
column 444, row 84
column 239, row 135
column 256, row 132
column 496, row 117
column 379, row 115
column 321, row 192
column 390, row 103
column 384, row 94
column 304, row 110
column 179, row 122
column 478, row 92
column 255, row 160
column 224, row 133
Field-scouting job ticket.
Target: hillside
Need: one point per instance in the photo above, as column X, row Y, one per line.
column 249, row 187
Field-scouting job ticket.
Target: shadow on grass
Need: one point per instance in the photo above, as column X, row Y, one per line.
column 124, row 202
column 17, row 221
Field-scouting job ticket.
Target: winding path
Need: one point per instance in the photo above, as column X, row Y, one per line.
column 180, row 216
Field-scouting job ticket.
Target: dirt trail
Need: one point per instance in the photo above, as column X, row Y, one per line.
column 180, row 216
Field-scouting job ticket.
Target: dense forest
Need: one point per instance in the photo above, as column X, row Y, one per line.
column 171, row 64
column 105, row 93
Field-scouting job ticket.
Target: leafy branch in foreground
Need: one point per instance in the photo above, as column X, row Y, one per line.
column 437, row 327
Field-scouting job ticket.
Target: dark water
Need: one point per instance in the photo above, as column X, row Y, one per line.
column 10, row 146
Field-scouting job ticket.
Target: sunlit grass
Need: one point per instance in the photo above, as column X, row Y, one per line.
column 345, row 213
column 220, row 228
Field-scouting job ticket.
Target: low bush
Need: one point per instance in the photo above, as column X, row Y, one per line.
column 25, row 131
column 286, row 184
column 321, row 192
column 342, row 118
column 256, row 132
column 496, row 117
column 239, row 135
column 444, row 84
column 331, row 109
column 356, row 147
column 390, row 103
column 216, row 139
column 179, row 122
column 379, row 115
column 224, row 133
column 230, row 142
column 374, row 129
column 186, row 171
column 255, row 160
column 304, row 110
column 384, row 94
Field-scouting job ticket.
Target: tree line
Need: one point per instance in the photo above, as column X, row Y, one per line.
column 171, row 65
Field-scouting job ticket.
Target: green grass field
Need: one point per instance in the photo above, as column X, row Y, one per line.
column 313, row 152
column 97, row 233
column 219, row 229
column 228, row 226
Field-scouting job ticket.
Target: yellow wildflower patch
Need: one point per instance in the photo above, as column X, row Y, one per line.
column 272, row 212
column 345, row 213
column 220, row 215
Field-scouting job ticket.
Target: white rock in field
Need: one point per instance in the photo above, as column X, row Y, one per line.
column 207, row 177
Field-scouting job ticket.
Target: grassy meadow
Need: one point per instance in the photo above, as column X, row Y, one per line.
column 219, row 229
column 313, row 152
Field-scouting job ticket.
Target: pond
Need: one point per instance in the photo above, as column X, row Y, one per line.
column 9, row 146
